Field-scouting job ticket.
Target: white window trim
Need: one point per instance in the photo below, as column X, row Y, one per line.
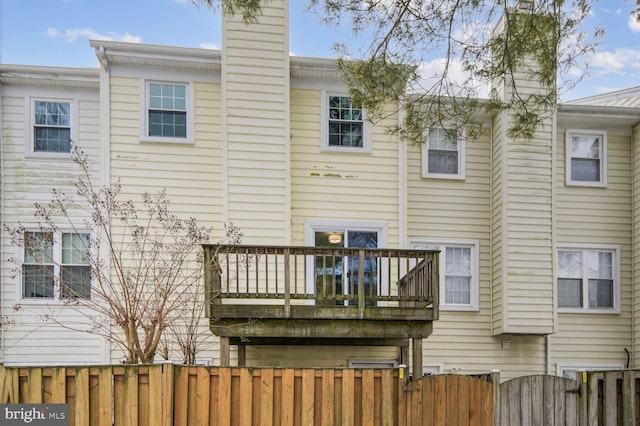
column 616, row 278
column 461, row 175
column 57, row 254
column 440, row 244
column 30, row 139
column 144, row 113
column 432, row 368
column 311, row 226
column 561, row 368
column 603, row 157
column 366, row 128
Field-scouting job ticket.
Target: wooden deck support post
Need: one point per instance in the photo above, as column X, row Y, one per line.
column 242, row 355
column 225, row 357
column 417, row 358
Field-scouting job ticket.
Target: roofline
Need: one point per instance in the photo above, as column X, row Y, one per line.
column 600, row 111
column 609, row 96
column 49, row 76
column 112, row 53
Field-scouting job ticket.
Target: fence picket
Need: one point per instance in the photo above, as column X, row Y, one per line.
column 105, row 392
column 266, row 396
column 82, row 396
column 348, row 404
column 177, row 395
column 245, row 409
column 308, row 396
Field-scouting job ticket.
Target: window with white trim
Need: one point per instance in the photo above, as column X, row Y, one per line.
column 443, row 154
column 56, row 265
column 167, row 115
column 345, row 128
column 588, row 279
column 459, row 273
column 51, row 126
column 586, row 157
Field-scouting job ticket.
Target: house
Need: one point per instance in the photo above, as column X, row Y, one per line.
column 538, row 239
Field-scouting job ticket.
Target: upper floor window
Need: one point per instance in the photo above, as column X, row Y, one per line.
column 459, row 273
column 51, row 126
column 345, row 125
column 443, row 154
column 588, row 279
column 168, row 116
column 56, row 265
column 586, row 157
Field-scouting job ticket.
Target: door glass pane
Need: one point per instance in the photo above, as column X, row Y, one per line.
column 328, row 269
column 363, row 239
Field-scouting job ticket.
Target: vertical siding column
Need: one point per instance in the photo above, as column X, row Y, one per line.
column 256, row 124
column 522, row 215
column 635, row 184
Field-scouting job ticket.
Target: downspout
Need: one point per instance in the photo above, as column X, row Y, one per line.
column 547, row 340
column 554, row 298
column 105, row 118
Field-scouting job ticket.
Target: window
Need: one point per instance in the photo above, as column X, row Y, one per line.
column 51, row 126
column 443, row 154
column 346, row 129
column 586, row 158
column 577, row 373
column 588, row 279
column 56, row 265
column 459, row 270
column 167, row 113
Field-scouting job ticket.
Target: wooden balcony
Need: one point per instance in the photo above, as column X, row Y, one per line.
column 317, row 295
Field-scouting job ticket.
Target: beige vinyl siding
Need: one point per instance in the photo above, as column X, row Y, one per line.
column 597, row 216
column 317, row 356
column 523, row 218
column 460, row 210
column 635, row 184
column 191, row 174
column 529, row 247
column 29, row 179
column 340, row 185
column 255, row 113
column 497, row 230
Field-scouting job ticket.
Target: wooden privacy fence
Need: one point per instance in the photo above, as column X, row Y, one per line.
column 597, row 398
column 187, row 395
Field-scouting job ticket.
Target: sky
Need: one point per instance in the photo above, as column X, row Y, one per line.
column 56, row 33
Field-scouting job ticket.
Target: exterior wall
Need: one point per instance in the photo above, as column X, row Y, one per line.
column 635, row 220
column 443, row 209
column 28, row 339
column 597, row 216
column 255, row 114
column 523, row 212
column 351, row 186
column 191, row 174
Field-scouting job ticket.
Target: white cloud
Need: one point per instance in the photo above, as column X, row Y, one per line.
column 71, row 35
column 618, row 62
column 633, row 23
column 431, row 73
column 210, row 45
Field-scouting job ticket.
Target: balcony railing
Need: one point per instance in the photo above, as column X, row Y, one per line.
column 321, row 282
